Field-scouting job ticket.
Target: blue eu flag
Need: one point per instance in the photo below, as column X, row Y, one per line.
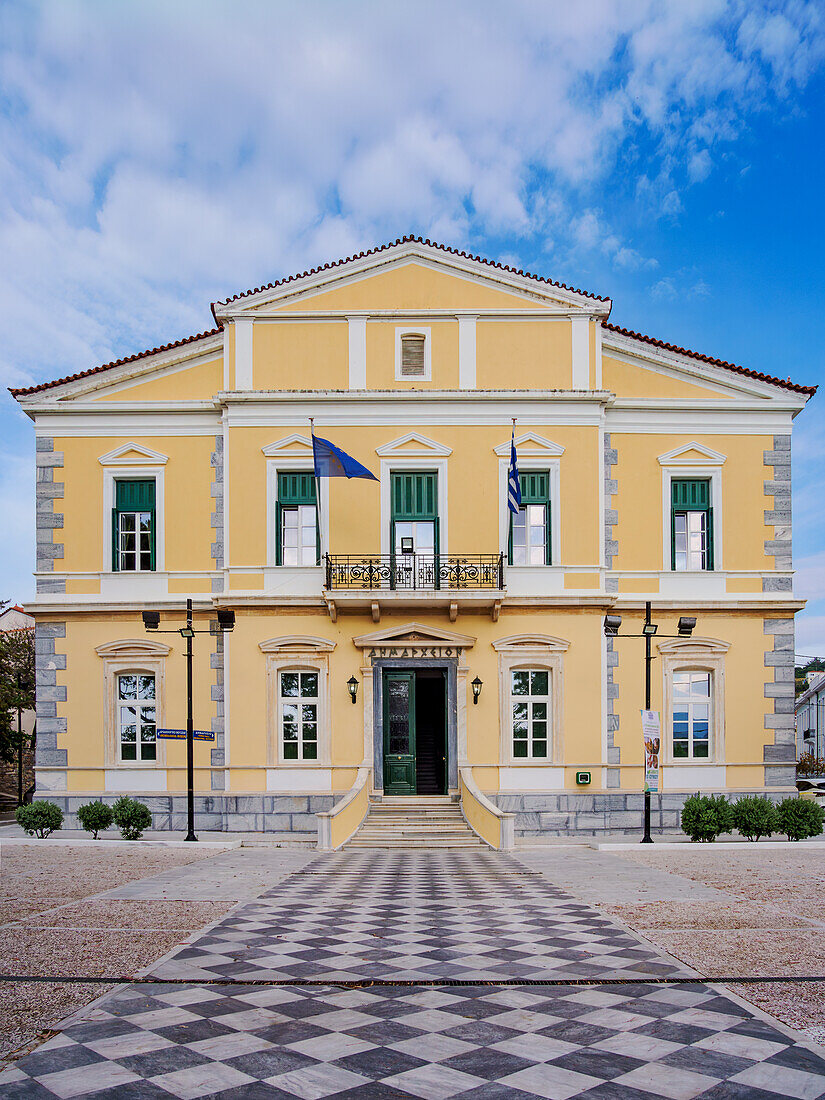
column 331, row 461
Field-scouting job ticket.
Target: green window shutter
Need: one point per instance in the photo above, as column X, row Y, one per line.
column 135, row 496
column 294, row 489
column 414, row 496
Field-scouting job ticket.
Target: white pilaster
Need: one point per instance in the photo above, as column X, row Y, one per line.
column 357, row 352
column 243, row 353
column 467, row 353
column 580, row 327
column 598, row 363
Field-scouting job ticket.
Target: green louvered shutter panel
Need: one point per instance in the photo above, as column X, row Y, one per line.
column 415, row 496
column 535, row 489
column 294, row 489
column 134, row 496
column 690, row 495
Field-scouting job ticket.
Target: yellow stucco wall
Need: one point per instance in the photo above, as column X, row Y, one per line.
column 200, row 382
column 639, row 499
column 381, row 341
column 523, row 355
column 295, row 356
column 634, row 380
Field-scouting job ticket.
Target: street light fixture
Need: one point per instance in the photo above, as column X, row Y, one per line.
column 352, row 684
column 476, row 685
column 649, row 629
column 687, row 624
column 226, row 621
column 612, row 624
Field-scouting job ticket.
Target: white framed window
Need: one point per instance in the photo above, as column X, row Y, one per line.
column 530, row 712
column 413, row 355
column 531, row 693
column 532, row 538
column 690, row 718
column 134, row 539
column 692, row 509
column 298, row 713
column 134, row 672
column 290, row 543
column 136, row 717
column 693, row 692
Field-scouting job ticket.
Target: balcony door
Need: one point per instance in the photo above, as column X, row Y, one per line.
column 414, row 530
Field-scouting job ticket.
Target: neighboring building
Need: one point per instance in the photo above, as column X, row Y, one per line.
column 15, row 618
column 810, row 717
column 648, row 472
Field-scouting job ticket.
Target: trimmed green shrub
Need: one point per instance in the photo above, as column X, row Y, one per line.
column 705, row 817
column 131, row 817
column 799, row 817
column 754, row 816
column 39, row 819
column 95, row 816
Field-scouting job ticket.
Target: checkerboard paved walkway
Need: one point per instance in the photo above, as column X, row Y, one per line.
column 426, row 916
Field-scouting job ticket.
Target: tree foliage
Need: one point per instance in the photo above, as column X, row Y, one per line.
column 16, row 685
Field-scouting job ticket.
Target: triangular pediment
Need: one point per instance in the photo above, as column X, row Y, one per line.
column 443, row 277
column 530, row 444
column 416, row 634
column 133, row 454
column 692, row 454
column 413, row 444
column 290, row 445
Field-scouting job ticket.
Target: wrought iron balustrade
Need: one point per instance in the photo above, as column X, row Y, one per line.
column 414, row 572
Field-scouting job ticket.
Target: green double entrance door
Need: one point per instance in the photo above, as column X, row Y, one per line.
column 415, row 713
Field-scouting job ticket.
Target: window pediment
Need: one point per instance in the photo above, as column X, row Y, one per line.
column 690, row 647
column 294, row 444
column 692, row 454
column 532, row 644
column 413, row 444
column 133, row 454
column 297, row 644
column 530, row 444
column 126, row 648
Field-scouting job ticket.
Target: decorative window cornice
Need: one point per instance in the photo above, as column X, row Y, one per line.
column 413, row 444
column 692, row 454
column 272, row 450
column 533, row 445
column 690, row 647
column 133, row 454
column 531, row 643
column 296, row 644
column 126, row 648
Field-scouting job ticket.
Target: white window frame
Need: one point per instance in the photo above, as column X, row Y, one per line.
column 292, row 463
column 123, row 657
column 536, row 652
column 694, row 655
column 402, row 330
column 529, row 699
column 689, row 703
column 298, row 701
column 297, row 653
column 551, row 464
column 708, row 468
column 111, row 474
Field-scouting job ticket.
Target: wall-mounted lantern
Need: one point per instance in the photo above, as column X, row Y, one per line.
column 352, row 684
column 476, row 685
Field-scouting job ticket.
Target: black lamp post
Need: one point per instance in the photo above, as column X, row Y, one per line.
column 23, row 684
column 686, row 626
column 226, row 621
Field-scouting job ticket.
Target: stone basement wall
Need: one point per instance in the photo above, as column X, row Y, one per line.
column 257, row 813
column 598, row 814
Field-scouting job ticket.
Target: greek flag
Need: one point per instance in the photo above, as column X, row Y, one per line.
column 513, row 483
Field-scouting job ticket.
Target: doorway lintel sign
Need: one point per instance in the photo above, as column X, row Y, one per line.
column 415, row 651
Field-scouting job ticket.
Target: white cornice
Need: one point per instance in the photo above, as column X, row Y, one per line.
column 692, row 454
column 280, row 446
column 133, row 454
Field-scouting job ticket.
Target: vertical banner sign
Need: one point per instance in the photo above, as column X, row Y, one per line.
column 651, row 734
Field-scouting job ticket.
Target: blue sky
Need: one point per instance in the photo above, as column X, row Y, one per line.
column 156, row 156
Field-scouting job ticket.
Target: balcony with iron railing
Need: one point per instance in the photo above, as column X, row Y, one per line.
column 414, row 572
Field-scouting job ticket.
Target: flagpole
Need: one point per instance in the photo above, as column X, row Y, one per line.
column 317, row 486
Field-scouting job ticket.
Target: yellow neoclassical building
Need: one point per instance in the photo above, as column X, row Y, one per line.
column 411, row 636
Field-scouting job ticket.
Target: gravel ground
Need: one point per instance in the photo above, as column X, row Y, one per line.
column 58, row 927
column 774, row 923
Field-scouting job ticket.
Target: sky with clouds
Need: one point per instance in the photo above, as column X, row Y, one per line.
column 156, row 156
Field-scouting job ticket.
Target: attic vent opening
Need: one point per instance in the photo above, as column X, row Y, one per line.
column 412, row 356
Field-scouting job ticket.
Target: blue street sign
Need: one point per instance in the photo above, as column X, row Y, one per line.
column 180, row 735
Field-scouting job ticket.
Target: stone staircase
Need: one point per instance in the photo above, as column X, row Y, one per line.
column 415, row 821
